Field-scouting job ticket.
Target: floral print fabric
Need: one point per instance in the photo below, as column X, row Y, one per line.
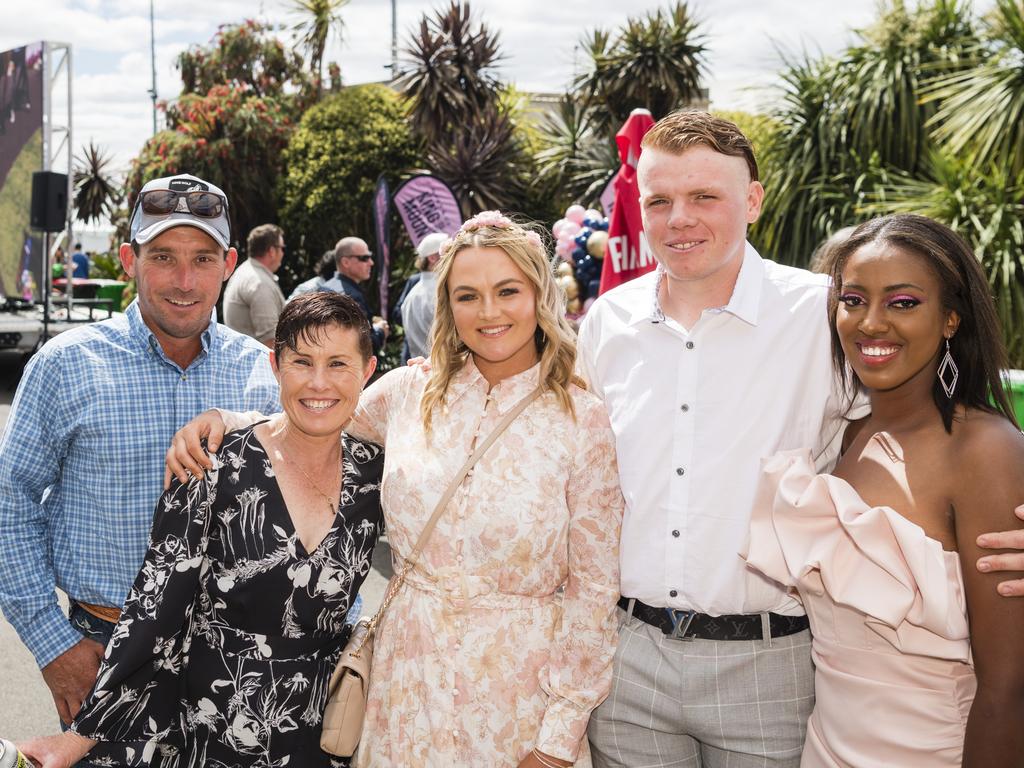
column 229, row 635
column 502, row 638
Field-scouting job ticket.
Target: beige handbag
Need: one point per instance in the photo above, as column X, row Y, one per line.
column 350, row 682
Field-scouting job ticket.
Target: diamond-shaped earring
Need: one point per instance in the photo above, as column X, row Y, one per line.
column 948, row 373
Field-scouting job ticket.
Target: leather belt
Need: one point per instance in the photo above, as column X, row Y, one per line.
column 689, row 625
column 102, row 612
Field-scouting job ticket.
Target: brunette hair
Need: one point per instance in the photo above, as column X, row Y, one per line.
column 689, row 128
column 306, row 316
column 977, row 346
column 262, row 238
column 555, row 339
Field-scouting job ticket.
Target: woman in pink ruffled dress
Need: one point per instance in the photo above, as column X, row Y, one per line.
column 882, row 551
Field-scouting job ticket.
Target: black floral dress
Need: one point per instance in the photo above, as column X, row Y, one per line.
column 228, row 637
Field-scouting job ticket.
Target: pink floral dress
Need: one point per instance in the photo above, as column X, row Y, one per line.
column 502, row 638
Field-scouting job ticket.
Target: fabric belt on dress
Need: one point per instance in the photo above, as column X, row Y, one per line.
column 103, row 612
column 690, row 625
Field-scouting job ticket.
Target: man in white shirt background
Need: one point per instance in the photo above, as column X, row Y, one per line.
column 708, row 364
column 252, row 300
column 419, row 306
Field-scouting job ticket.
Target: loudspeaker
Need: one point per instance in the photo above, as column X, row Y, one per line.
column 49, row 201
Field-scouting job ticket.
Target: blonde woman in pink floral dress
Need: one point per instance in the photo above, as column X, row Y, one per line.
column 499, row 645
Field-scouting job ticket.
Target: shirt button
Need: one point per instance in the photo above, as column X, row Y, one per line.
column 676, row 533
column 673, row 593
column 684, row 407
column 680, row 471
column 689, row 345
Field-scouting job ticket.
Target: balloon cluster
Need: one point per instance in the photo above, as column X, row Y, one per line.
column 580, row 240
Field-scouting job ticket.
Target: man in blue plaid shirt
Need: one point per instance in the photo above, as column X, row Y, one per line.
column 81, row 459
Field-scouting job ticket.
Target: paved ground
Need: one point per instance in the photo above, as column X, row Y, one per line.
column 26, row 708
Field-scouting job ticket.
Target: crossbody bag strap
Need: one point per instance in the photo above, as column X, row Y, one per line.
column 446, row 497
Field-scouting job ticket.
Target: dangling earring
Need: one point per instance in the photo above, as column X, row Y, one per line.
column 948, row 370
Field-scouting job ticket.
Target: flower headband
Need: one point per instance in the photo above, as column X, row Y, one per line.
column 494, row 220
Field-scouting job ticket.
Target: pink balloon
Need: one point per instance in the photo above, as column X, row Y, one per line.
column 592, row 213
column 570, row 229
column 556, row 228
column 575, row 213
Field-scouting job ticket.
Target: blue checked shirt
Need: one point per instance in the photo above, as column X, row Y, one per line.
column 81, row 461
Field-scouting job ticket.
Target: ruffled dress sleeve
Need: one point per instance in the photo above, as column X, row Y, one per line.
column 580, row 668
column 136, row 695
column 815, row 532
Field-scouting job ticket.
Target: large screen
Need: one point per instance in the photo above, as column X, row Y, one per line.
column 21, row 153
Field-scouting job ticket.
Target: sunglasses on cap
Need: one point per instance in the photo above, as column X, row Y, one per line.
column 162, row 202
column 363, row 257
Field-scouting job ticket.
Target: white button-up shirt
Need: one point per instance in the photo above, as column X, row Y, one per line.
column 694, row 411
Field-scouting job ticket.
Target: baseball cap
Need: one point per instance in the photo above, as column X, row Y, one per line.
column 430, row 244
column 146, row 226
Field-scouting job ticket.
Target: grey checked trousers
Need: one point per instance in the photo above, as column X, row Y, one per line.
column 704, row 703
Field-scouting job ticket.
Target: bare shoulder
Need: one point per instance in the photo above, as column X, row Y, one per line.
column 988, row 442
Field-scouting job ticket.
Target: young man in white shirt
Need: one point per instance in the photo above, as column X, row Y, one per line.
column 708, row 364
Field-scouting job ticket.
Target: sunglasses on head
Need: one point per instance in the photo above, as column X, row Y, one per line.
column 363, row 257
column 162, row 202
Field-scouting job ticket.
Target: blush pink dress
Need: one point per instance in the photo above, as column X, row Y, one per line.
column 893, row 675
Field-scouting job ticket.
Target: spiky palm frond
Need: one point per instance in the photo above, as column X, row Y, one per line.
column 656, row 61
column 97, row 192
column 981, row 109
column 482, row 164
column 321, row 19
column 451, row 71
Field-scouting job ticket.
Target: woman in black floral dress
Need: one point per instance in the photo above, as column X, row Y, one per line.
column 223, row 652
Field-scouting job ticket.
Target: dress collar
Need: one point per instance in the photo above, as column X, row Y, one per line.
column 505, row 393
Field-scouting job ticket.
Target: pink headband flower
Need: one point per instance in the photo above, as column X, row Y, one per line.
column 498, row 220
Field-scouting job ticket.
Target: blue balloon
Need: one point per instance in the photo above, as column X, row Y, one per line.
column 582, row 237
column 578, row 253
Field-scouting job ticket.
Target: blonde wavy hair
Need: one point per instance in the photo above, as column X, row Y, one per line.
column 555, row 338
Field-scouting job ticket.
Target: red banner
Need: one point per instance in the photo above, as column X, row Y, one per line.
column 627, row 254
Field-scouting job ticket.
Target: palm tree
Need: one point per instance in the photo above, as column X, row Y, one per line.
column 322, row 17
column 656, row 61
column 578, row 157
column 96, row 191
column 845, row 123
column 982, row 107
column 450, row 73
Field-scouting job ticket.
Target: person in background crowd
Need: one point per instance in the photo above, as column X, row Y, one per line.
column 80, row 262
column 419, row 305
column 252, row 300
column 325, row 270
column 81, row 458
column 882, row 550
column 354, row 263
column 228, row 639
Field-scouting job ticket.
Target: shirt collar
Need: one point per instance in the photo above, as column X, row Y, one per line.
column 142, row 335
column 506, row 393
column 744, row 302
column 257, row 263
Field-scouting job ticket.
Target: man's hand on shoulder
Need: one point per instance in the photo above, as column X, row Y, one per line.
column 71, row 675
column 1010, row 561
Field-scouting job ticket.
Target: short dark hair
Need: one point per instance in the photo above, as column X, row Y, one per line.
column 689, row 128
column 977, row 346
column 327, row 266
column 305, row 316
column 262, row 238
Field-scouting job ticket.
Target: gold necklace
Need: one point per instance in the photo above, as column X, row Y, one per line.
column 324, row 496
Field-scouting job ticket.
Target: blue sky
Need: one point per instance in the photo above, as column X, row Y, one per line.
column 110, row 40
